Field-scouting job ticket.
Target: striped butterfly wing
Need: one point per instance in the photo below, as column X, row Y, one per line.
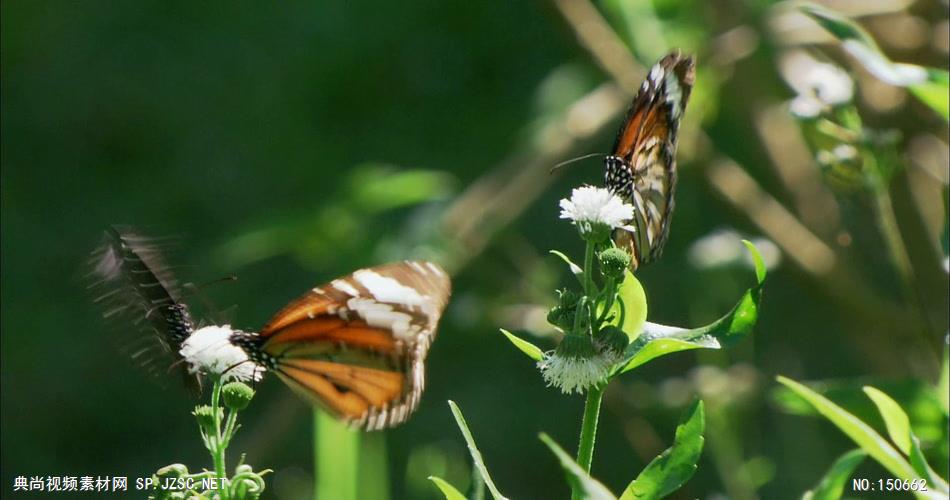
column 642, row 167
column 357, row 345
column 138, row 290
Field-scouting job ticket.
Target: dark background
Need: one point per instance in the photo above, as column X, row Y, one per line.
column 289, row 145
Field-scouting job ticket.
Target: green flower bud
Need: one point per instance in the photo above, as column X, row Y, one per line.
column 576, row 346
column 206, row 417
column 237, row 395
column 567, row 299
column 614, row 262
column 611, row 341
column 172, row 471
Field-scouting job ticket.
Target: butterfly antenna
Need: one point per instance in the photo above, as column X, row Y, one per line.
column 197, row 290
column 572, row 160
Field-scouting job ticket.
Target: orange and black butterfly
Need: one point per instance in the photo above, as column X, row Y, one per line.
column 642, row 167
column 356, row 345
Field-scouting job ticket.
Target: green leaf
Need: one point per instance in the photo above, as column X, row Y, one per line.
column 896, row 421
column 634, row 300
column 580, row 481
column 473, row 450
column 919, row 463
column 450, row 492
column 531, row 350
column 859, row 432
column 832, row 484
column 575, row 269
column 672, row 468
column 930, row 85
column 943, row 384
column 658, row 340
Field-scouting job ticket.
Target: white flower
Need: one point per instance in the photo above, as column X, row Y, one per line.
column 571, row 374
column 209, row 350
column 575, row 365
column 805, row 106
column 831, row 84
column 592, row 206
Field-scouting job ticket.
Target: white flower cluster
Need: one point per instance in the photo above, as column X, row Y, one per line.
column 573, row 374
column 209, row 350
column 592, row 206
column 821, row 85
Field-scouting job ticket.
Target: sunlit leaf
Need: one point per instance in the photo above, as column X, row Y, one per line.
column 449, row 491
column 473, row 451
column 832, row 484
column 658, row 340
column 861, row 433
column 581, row 482
column 531, row 350
column 634, row 299
column 895, row 420
column 672, row 468
column 929, row 85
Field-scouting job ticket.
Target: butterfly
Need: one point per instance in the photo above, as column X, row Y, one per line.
column 641, row 169
column 356, row 345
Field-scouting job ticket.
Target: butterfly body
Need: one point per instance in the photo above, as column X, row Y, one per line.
column 642, row 167
column 356, row 345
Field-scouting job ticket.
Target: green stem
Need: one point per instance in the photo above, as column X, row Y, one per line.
column 217, row 441
column 585, row 450
column 230, row 427
column 900, row 259
column 588, row 269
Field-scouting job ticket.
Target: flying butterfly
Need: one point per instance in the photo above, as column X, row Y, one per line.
column 356, row 345
column 642, row 166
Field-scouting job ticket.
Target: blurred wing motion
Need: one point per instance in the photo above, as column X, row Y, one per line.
column 358, row 344
column 139, row 290
column 642, row 167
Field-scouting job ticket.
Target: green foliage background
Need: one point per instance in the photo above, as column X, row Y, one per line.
column 257, row 134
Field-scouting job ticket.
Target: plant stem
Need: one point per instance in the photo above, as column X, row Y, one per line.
column 585, row 450
column 219, row 446
column 900, row 259
column 588, row 268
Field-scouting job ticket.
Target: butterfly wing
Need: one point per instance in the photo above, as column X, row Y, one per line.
column 357, row 345
column 138, row 289
column 642, row 167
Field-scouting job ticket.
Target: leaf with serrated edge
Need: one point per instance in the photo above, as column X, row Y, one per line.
column 473, row 451
column 590, row 488
column 895, row 420
column 530, row 350
column 671, row 469
column 832, row 484
column 658, row 340
column 449, row 491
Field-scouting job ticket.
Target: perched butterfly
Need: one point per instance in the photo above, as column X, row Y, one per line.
column 642, row 167
column 356, row 346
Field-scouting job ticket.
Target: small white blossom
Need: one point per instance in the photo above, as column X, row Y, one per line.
column 831, row 84
column 209, row 350
column 805, row 106
column 592, row 206
column 572, row 374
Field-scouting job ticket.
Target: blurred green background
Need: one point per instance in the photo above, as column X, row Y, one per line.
column 288, row 145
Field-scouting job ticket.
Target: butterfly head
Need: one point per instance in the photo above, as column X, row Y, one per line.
column 617, row 175
column 223, row 351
